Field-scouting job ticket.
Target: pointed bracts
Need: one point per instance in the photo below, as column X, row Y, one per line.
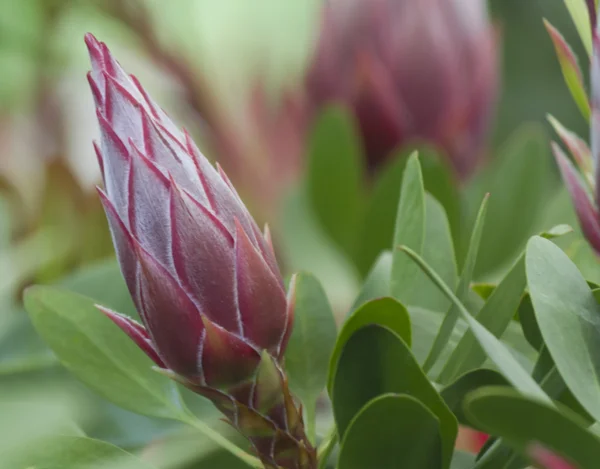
column 201, row 274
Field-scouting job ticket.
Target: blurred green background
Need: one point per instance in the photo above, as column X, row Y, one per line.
column 52, row 228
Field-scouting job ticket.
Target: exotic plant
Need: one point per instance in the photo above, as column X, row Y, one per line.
column 424, row 349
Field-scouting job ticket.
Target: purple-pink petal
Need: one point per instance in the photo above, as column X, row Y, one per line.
column 204, row 259
column 261, row 298
column 289, row 315
column 116, row 165
column 149, row 198
column 170, row 316
column 162, row 148
column 124, row 246
column 226, row 358
column 122, row 111
column 135, row 331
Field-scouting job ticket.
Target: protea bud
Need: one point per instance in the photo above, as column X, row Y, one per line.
column 203, row 277
column 411, row 71
column 546, row 459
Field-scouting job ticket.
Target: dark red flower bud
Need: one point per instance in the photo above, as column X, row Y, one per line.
column 411, row 71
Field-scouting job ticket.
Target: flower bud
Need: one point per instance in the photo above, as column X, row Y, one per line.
column 203, row 278
column 410, row 71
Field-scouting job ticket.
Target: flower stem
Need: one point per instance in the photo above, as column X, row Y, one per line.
column 324, row 451
column 224, row 442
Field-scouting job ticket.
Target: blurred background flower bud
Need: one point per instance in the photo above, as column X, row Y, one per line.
column 410, row 71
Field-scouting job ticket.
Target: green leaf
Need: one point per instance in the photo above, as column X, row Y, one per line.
column 570, row 70
column 377, row 283
column 440, row 181
column 483, row 290
column 495, row 316
column 580, row 16
column 97, row 352
column 70, row 452
column 454, row 394
column 385, row 312
column 311, row 343
column 378, row 225
column 518, row 181
column 568, row 316
column 543, row 365
column 306, row 247
column 521, row 421
column 335, row 176
column 462, row 290
column 463, row 460
column 392, row 431
column 409, row 231
column 104, row 283
column 376, row 361
column 425, row 323
column 438, row 250
column 494, row 349
column 545, row 373
column 529, row 324
column 34, row 418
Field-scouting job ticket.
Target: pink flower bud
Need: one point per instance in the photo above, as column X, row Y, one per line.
column 203, row 277
column 411, row 71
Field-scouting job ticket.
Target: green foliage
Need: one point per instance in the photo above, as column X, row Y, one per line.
column 580, row 16
column 518, row 181
column 392, row 430
column 495, row 316
column 455, row 393
column 103, row 357
column 334, row 179
column 567, row 314
column 375, row 361
column 311, row 343
column 495, row 350
column 463, row 288
column 523, row 422
column 383, row 311
column 378, row 225
column 71, row 452
column 409, row 231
